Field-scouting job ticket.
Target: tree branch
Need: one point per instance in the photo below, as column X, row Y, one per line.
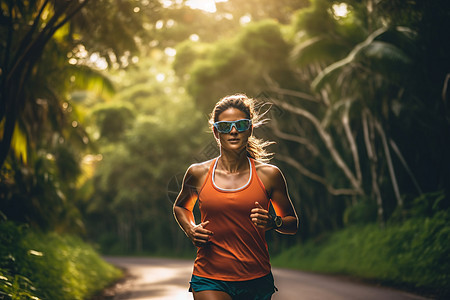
column 336, row 192
column 26, row 39
column 295, row 138
column 327, row 139
column 405, row 165
column 351, row 141
column 296, row 94
column 382, row 134
column 369, row 141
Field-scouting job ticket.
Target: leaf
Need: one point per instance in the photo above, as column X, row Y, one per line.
column 385, row 58
column 92, row 80
column 19, row 143
column 380, row 56
column 320, row 80
column 35, row 253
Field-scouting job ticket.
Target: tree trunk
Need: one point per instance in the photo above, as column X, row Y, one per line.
column 15, row 73
column 382, row 134
column 328, row 141
column 351, row 141
column 369, row 140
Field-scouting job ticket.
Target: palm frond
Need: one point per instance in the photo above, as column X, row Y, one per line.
column 378, row 55
column 87, row 78
column 317, row 49
column 385, row 58
column 19, row 143
column 320, row 80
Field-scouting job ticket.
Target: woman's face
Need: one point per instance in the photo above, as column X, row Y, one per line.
column 234, row 140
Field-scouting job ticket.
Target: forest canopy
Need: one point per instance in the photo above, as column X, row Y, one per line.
column 104, row 104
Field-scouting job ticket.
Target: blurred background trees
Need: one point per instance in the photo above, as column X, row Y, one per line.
column 104, row 104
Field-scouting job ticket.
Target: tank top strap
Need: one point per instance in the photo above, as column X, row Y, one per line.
column 257, row 179
column 209, row 175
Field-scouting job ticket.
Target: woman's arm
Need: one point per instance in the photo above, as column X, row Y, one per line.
column 276, row 184
column 183, row 210
column 283, row 204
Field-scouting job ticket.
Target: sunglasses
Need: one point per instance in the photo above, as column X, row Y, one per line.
column 226, row 126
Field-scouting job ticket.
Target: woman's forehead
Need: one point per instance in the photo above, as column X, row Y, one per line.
column 232, row 114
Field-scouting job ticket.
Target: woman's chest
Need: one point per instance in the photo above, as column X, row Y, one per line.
column 235, row 203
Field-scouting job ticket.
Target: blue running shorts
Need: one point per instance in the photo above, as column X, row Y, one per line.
column 256, row 289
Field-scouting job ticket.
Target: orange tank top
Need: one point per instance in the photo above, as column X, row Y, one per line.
column 238, row 250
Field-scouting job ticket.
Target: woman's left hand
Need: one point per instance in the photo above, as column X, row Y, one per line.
column 260, row 217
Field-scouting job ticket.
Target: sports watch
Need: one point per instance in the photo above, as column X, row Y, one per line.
column 278, row 221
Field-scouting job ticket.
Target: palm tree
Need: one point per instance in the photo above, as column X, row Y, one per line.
column 356, row 77
column 366, row 79
column 47, row 55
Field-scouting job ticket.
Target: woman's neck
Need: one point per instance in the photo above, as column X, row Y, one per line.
column 232, row 162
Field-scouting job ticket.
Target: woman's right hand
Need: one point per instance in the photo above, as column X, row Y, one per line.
column 199, row 235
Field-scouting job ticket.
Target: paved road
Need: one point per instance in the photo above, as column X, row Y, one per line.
column 167, row 279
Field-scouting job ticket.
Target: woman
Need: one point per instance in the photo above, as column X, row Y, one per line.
column 234, row 192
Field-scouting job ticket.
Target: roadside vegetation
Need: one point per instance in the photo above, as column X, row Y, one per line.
column 413, row 254
column 38, row 265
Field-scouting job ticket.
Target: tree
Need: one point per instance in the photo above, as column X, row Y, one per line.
column 259, row 10
column 72, row 28
column 258, row 51
column 49, row 52
column 366, row 96
column 344, row 106
column 131, row 197
column 20, row 56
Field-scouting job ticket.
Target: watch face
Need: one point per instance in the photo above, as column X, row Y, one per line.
column 278, row 221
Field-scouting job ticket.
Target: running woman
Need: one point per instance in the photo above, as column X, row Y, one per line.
column 234, row 191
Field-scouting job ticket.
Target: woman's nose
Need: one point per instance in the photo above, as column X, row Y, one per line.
column 234, row 130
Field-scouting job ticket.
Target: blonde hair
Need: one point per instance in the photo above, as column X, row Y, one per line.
column 255, row 147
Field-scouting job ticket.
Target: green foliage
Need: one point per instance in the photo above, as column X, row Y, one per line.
column 264, row 42
column 44, row 59
column 316, row 19
column 187, row 53
column 321, row 38
column 37, row 194
column 49, row 266
column 429, row 204
column 258, row 10
column 156, row 124
column 113, row 120
column 13, row 284
column 363, row 212
column 16, row 287
column 414, row 254
column 128, row 208
column 257, row 52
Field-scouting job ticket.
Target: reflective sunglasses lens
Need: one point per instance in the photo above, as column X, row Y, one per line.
column 242, row 125
column 224, row 127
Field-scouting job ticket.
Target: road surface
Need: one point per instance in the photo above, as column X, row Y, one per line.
column 168, row 279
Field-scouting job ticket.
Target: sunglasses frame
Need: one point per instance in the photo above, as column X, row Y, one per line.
column 233, row 124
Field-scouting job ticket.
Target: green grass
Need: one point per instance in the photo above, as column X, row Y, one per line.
column 49, row 266
column 413, row 255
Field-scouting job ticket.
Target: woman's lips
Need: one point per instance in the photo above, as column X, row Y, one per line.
column 233, row 140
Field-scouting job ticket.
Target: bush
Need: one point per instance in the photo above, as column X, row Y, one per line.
column 49, row 266
column 365, row 211
column 415, row 254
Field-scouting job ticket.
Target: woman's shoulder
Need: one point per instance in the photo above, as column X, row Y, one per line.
column 266, row 167
column 269, row 171
column 200, row 169
column 197, row 173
